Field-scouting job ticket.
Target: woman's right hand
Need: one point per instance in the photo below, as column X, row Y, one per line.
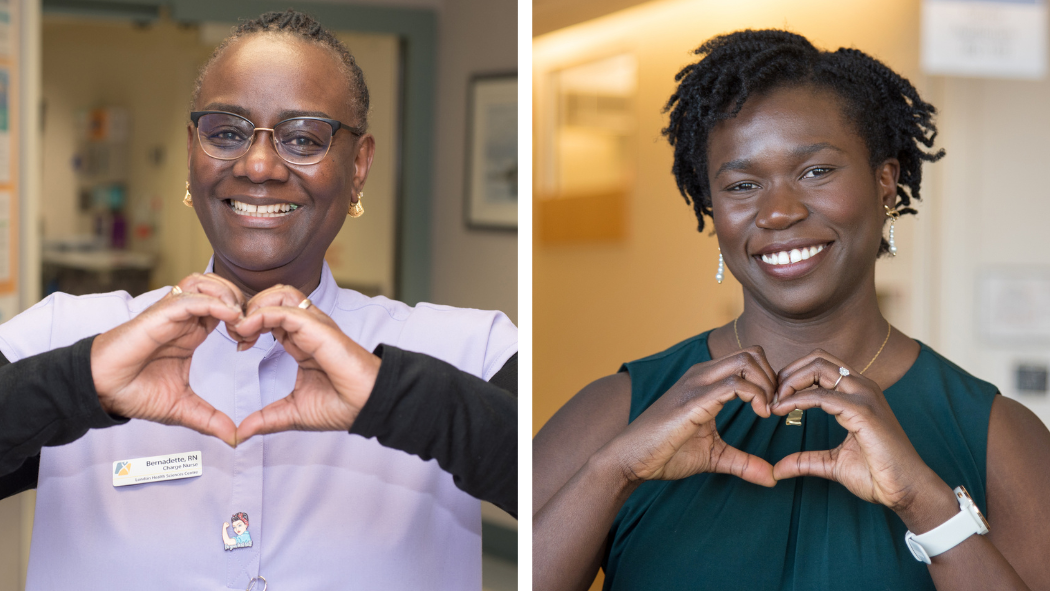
column 676, row 436
column 141, row 368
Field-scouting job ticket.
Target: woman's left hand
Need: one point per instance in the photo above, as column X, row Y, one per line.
column 336, row 375
column 876, row 461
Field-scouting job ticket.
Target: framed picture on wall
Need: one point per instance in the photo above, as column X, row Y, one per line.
column 492, row 152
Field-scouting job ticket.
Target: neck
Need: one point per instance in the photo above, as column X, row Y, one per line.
column 852, row 332
column 305, row 278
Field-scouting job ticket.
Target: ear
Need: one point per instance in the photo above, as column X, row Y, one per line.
column 366, row 149
column 886, row 175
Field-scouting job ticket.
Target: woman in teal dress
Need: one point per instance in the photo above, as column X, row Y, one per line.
column 797, row 446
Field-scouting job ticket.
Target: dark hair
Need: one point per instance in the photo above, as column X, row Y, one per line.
column 305, row 27
column 242, row 516
column 885, row 108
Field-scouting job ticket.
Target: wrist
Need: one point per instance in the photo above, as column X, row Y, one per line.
column 608, row 466
column 932, row 504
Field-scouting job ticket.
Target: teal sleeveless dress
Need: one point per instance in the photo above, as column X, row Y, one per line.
column 714, row 531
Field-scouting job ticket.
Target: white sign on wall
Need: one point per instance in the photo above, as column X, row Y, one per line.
column 985, row 38
column 1013, row 305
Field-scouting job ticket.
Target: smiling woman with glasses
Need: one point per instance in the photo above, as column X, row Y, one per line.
column 252, row 418
column 298, row 140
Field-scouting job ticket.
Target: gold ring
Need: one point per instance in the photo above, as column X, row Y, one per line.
column 305, row 304
column 176, row 290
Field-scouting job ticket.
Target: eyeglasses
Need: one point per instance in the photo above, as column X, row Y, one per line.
column 299, row 140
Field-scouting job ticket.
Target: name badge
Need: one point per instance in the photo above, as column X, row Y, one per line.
column 157, row 468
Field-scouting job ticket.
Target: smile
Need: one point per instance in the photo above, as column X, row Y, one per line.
column 263, row 211
column 786, row 257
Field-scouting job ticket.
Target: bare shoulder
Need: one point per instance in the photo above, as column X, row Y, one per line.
column 1019, row 489
column 589, row 420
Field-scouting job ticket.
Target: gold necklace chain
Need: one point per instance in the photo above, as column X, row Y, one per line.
column 889, row 329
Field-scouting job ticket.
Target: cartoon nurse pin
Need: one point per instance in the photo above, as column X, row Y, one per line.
column 240, row 527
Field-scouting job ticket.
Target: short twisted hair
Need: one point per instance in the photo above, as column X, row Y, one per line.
column 305, row 27
column 885, row 108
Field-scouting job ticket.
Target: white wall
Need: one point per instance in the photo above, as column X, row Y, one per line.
column 990, row 212
column 470, row 268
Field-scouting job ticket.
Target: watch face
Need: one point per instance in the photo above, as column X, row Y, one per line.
column 964, row 496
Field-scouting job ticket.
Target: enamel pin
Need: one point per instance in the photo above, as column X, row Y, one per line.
column 242, row 538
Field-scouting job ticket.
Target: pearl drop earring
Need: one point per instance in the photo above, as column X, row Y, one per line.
column 721, row 274
column 893, row 214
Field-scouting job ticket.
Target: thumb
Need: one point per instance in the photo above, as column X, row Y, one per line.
column 277, row 416
column 806, row 463
column 204, row 418
column 730, row 460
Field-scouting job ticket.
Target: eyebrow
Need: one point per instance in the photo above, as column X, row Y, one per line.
column 287, row 114
column 796, row 153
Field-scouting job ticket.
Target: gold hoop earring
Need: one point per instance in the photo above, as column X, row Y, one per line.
column 357, row 210
column 188, row 199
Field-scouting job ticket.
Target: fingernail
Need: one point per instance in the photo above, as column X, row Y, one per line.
column 776, row 399
column 243, row 347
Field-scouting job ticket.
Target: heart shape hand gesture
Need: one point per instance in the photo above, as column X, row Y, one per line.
column 676, row 436
column 141, row 368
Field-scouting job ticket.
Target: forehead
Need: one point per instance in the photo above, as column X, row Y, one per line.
column 266, row 75
column 781, row 118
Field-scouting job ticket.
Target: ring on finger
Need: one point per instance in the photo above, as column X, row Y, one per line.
column 305, row 304
column 176, row 290
column 843, row 372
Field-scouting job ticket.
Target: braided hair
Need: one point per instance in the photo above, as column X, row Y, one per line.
column 885, row 108
column 305, row 27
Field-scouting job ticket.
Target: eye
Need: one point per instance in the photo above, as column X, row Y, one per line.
column 817, row 172
column 742, row 186
column 226, row 135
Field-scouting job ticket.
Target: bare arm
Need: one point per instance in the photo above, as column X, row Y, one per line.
column 561, row 452
column 588, row 459
column 1019, row 490
column 1014, row 553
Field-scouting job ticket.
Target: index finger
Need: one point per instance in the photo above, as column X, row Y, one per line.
column 819, row 368
column 214, row 286
column 278, row 295
column 759, row 355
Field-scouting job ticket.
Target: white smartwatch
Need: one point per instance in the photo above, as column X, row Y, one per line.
column 951, row 533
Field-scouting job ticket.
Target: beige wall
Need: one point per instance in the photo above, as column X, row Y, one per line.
column 597, row 305
column 991, row 215
column 470, row 268
column 150, row 71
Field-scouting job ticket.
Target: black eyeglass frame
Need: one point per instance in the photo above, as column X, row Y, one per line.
column 335, row 124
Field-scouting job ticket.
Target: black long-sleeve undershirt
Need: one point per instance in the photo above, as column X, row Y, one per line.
column 419, row 405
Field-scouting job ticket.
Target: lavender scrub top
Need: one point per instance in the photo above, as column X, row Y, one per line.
column 329, row 510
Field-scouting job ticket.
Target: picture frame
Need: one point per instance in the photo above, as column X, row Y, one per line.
column 491, row 179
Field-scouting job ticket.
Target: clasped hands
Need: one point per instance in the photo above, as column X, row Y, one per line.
column 676, row 436
column 141, row 368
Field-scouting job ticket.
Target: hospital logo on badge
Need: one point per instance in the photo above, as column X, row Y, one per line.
column 122, row 468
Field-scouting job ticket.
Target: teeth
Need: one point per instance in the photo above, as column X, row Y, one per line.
column 262, row 211
column 786, row 257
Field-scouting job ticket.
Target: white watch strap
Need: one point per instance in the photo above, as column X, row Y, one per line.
column 950, row 533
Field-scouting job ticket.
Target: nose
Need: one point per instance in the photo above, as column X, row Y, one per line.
column 261, row 162
column 780, row 208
